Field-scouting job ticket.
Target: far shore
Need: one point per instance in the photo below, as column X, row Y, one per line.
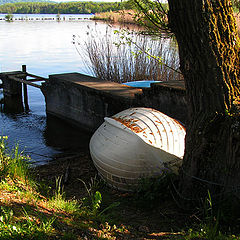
column 122, row 16
column 128, row 17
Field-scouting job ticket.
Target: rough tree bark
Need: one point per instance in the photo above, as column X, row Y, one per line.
column 209, row 51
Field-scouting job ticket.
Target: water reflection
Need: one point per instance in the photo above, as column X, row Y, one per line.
column 46, row 48
column 13, row 104
column 39, row 136
column 61, row 135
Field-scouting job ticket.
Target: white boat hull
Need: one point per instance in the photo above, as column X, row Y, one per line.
column 124, row 152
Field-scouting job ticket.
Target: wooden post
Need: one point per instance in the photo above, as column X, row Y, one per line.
column 24, row 70
column 1, row 104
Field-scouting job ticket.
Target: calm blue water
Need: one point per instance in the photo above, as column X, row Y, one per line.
column 46, row 48
column 48, row 16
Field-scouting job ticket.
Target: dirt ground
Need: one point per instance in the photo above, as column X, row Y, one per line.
column 73, row 168
column 163, row 221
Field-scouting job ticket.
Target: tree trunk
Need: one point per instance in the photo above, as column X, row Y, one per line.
column 209, row 60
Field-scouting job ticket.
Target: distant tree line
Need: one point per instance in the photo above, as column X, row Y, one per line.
column 62, row 8
column 15, row 1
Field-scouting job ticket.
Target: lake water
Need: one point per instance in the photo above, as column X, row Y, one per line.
column 47, row 17
column 46, row 48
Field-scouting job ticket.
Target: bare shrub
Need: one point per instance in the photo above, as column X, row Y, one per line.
column 112, row 58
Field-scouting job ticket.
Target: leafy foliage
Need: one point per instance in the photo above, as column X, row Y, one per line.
column 152, row 15
column 155, row 189
column 236, row 5
column 26, row 214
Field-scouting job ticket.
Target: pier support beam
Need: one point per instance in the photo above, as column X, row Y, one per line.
column 13, row 104
column 24, row 70
column 12, row 92
column 11, row 88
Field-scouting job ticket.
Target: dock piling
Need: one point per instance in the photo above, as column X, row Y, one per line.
column 13, row 84
column 25, row 93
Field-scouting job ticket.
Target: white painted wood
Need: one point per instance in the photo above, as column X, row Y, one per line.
column 137, row 143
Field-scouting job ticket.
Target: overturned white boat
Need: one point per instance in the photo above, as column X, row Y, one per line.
column 137, row 143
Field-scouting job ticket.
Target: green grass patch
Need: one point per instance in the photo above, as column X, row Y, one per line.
column 30, row 209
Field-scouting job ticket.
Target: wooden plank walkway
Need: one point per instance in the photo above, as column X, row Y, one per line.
column 28, row 82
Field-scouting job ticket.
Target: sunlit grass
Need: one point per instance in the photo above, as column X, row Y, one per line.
column 24, row 225
column 14, row 164
column 204, row 232
column 28, row 213
column 59, row 201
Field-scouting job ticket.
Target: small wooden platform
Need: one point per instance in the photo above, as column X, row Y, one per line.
column 21, row 76
column 14, row 82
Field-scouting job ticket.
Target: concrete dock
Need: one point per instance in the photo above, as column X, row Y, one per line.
column 84, row 101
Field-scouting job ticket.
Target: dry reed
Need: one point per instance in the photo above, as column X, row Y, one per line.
column 121, row 16
column 113, row 60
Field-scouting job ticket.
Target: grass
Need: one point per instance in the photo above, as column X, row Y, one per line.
column 30, row 209
column 58, row 200
column 28, row 213
column 128, row 56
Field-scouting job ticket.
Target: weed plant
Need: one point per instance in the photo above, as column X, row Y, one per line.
column 110, row 58
column 13, row 164
column 17, row 184
column 93, row 201
column 212, row 224
column 155, row 190
column 58, row 201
